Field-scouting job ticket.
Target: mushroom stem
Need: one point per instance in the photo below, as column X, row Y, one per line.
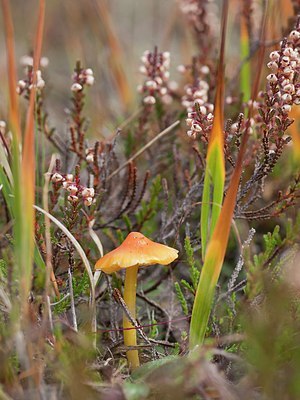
column 130, row 300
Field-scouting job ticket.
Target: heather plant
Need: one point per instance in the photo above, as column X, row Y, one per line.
column 201, row 155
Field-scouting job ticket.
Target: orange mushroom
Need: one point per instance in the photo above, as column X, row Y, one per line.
column 135, row 251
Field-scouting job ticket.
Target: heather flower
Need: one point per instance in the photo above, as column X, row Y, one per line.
column 82, row 77
column 77, row 191
column 57, row 177
column 89, row 155
column 283, row 88
column 76, row 87
column 2, row 125
column 274, row 105
column 196, row 101
column 201, row 15
column 88, row 201
column 156, row 85
column 25, row 85
column 26, row 61
column 73, row 199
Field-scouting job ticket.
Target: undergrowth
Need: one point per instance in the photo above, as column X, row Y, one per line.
column 206, row 164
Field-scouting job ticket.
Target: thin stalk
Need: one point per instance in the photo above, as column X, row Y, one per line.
column 50, row 276
column 73, row 310
column 130, row 300
column 48, row 304
column 245, row 82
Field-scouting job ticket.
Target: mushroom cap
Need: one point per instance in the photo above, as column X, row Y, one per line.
column 136, row 250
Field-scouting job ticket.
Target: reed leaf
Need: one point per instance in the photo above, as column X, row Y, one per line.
column 13, row 194
column 28, row 165
column 215, row 165
column 216, row 248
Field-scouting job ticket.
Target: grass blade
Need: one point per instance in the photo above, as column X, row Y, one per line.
column 28, row 165
column 6, row 190
column 218, row 243
column 77, row 247
column 4, row 162
column 215, row 164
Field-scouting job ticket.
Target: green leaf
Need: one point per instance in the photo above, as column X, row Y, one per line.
column 148, row 368
column 135, row 391
column 181, row 298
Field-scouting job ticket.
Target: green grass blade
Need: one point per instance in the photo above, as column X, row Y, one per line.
column 218, row 181
column 28, row 165
column 217, row 245
column 215, row 165
column 205, row 211
column 4, row 162
column 77, row 246
column 6, row 190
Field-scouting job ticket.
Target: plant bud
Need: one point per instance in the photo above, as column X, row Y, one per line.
column 167, row 99
column 89, row 71
column 181, row 69
column 73, row 199
column 273, row 66
column 90, row 158
column 189, row 121
column 152, row 85
column 56, row 177
column 22, row 84
column 149, row 100
column 44, row 62
column 88, row 201
column 40, row 84
column 76, row 87
column 203, row 110
column 90, row 80
column 294, row 36
column 286, row 108
column 285, row 61
column 272, row 78
column 72, row 189
column 143, row 70
column 69, row 178
column 286, row 97
column 204, row 69
column 290, row 88
column 274, row 56
column 196, row 128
